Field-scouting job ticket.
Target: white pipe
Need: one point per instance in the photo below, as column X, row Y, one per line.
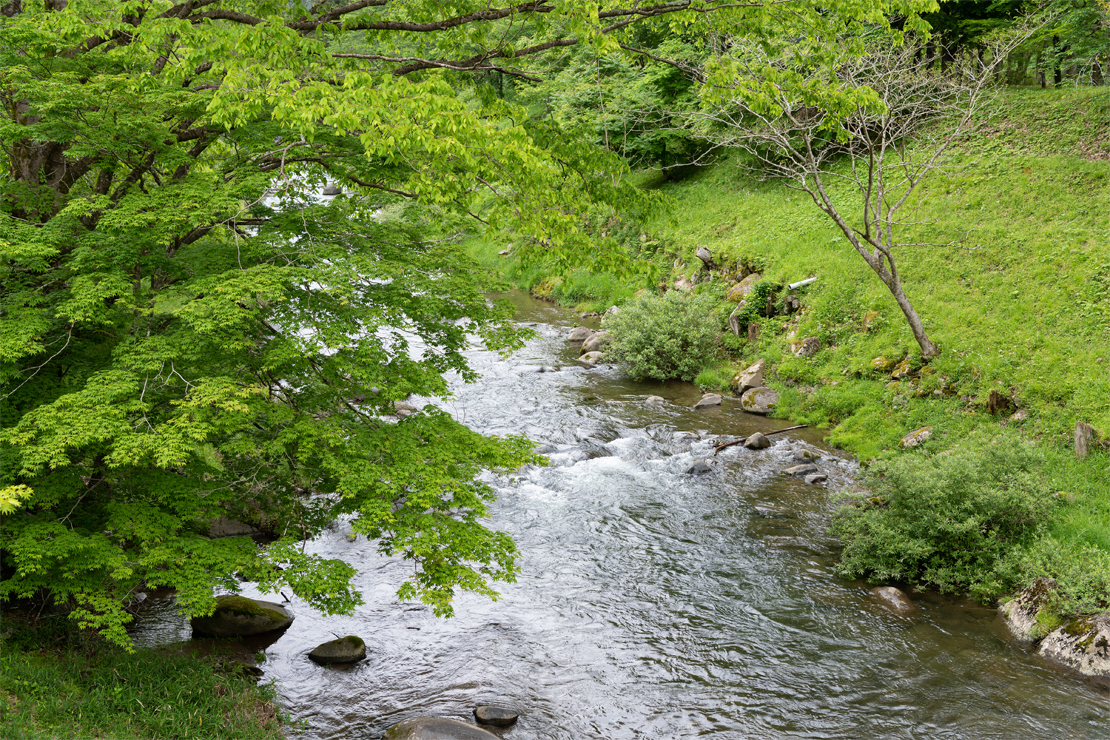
column 800, row 283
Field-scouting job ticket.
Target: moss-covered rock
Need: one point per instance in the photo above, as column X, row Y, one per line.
column 238, row 616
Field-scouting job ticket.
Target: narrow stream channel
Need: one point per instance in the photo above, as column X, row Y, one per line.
column 655, row 604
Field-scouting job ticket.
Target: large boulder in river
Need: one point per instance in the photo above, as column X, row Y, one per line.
column 595, row 341
column 238, row 616
column 1082, row 644
column 436, row 728
column 579, row 334
column 349, row 649
column 759, row 400
column 750, row 378
column 743, row 289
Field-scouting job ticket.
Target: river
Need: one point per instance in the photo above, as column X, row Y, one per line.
column 656, row 604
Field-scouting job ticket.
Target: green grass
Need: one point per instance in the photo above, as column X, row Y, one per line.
column 91, row 690
column 1019, row 302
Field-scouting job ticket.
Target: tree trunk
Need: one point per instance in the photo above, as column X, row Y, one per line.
column 1057, row 72
column 928, row 349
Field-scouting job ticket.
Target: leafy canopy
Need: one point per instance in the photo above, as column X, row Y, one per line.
column 189, row 331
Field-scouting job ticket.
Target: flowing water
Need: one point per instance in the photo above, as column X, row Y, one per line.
column 656, row 604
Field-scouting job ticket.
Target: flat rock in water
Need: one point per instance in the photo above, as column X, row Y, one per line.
column 800, row 470
column 436, row 728
column 238, row 616
column 814, row 479
column 759, row 400
column 700, row 467
column 893, row 599
column 707, row 401
column 579, row 334
column 757, row 441
column 497, row 716
column 349, row 649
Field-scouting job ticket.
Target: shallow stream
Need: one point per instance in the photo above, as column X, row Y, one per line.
column 655, row 604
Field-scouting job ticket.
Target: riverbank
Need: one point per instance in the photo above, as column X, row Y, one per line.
column 1019, row 304
column 58, row 683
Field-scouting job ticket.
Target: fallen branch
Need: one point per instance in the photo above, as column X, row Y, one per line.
column 742, row 440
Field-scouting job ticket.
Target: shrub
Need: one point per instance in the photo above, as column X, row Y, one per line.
column 948, row 520
column 663, row 337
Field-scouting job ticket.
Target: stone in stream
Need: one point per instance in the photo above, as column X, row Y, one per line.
column 436, row 728
column 404, row 408
column 814, row 479
column 800, row 470
column 590, row 359
column 349, row 649
column 1082, row 644
column 759, row 400
column 893, row 599
column 579, row 334
column 708, row 401
column 595, row 341
column 238, row 616
column 496, row 716
column 654, row 401
column 757, row 441
column 806, row 456
column 700, row 467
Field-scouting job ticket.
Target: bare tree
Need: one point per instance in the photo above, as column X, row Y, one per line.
column 881, row 122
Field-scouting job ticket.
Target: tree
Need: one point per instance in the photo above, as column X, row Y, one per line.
column 189, row 332
column 858, row 137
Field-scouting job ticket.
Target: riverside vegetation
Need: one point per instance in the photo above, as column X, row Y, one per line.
column 1019, row 304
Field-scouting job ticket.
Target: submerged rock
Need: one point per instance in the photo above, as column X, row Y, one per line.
column 759, row 400
column 238, row 616
column 700, row 467
column 349, row 649
column 436, row 728
column 893, row 599
column 497, row 716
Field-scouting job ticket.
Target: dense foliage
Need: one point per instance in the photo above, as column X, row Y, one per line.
column 663, row 337
column 948, row 520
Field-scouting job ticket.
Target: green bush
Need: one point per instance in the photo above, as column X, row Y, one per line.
column 664, row 337
column 950, row 520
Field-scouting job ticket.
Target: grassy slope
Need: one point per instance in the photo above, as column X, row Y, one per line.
column 65, row 685
column 1020, row 304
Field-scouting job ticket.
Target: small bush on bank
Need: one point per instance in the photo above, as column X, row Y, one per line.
column 950, row 520
column 664, row 337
